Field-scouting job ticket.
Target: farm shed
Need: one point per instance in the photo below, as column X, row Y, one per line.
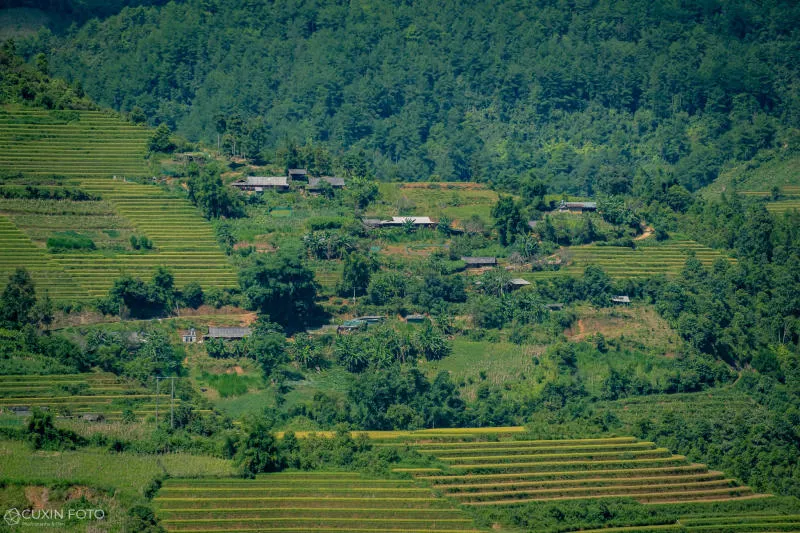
column 227, row 333
column 262, row 183
column 479, row 262
column 517, row 283
column 416, row 221
column 577, row 207
column 621, row 300
column 314, row 183
column 298, row 174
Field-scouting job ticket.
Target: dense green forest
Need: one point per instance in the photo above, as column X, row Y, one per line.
column 594, row 95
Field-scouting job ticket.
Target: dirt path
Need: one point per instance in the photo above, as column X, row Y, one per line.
column 648, row 230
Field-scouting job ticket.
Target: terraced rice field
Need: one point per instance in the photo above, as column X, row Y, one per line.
column 729, row 523
column 184, row 241
column 790, row 203
column 517, row 471
column 782, row 206
column 622, row 262
column 17, row 250
column 306, row 501
column 79, row 394
column 72, row 143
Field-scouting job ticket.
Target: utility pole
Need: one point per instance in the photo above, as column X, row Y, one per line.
column 157, row 402
column 172, row 405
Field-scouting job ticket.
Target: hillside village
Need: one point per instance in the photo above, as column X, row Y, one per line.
column 490, row 276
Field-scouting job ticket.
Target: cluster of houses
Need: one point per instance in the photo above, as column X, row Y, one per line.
column 282, row 183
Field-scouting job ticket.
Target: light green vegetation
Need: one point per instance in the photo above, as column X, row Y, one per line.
column 648, row 259
column 518, row 471
column 183, row 241
column 757, row 521
column 473, row 363
column 17, row 250
column 125, row 472
column 315, row 501
column 71, row 143
column 758, row 177
column 79, row 394
column 459, row 201
column 782, row 206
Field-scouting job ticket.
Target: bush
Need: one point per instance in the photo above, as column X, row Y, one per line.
column 69, row 240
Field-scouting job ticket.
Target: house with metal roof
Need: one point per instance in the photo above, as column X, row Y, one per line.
column 624, row 300
column 227, row 333
column 298, row 174
column 314, row 184
column 262, row 183
column 577, row 207
column 479, row 262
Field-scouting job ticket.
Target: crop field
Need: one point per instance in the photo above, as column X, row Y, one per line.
column 17, row 250
column 306, row 501
column 622, row 262
column 182, row 240
column 71, row 143
column 516, row 471
column 458, row 201
column 80, row 394
column 758, row 522
column 782, row 206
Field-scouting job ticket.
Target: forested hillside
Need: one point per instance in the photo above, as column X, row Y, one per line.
column 592, row 95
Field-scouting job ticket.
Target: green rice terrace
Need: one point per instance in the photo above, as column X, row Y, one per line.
column 306, row 501
column 78, row 394
column 758, row 522
column 789, row 199
column 182, row 239
column 622, row 262
column 518, row 471
column 71, row 143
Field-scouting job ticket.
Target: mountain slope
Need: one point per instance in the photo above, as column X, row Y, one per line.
column 583, row 94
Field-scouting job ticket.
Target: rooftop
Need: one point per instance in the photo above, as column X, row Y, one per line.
column 264, row 181
column 228, row 333
column 335, row 182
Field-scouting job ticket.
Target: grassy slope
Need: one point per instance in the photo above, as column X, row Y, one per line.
column 757, row 175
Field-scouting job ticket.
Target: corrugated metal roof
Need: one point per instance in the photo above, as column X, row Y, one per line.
column 415, row 220
column 264, row 181
column 480, row 260
column 335, row 182
column 228, row 333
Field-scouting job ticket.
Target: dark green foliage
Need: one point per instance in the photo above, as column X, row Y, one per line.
column 18, row 299
column 508, row 220
column 33, row 192
column 69, row 240
column 216, row 200
column 687, row 86
column 280, row 286
column 192, row 295
column 161, row 140
column 358, row 269
column 142, row 518
column 259, row 452
column 139, row 298
column 376, row 399
column 42, row 433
